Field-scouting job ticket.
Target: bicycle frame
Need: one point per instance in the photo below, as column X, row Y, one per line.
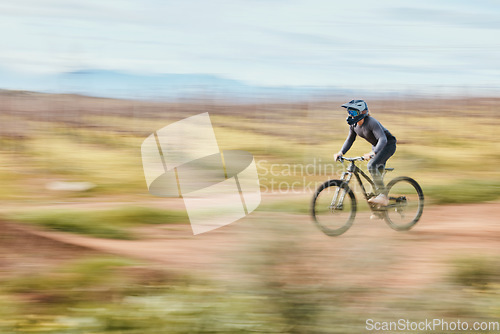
column 346, row 177
column 353, row 169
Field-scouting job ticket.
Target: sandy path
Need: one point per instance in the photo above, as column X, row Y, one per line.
column 369, row 253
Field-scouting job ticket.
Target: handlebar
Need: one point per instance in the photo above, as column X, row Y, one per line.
column 341, row 159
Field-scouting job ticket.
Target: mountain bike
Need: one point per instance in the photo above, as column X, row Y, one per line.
column 334, row 205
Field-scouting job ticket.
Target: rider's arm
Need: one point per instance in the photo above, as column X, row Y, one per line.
column 349, row 141
column 379, row 133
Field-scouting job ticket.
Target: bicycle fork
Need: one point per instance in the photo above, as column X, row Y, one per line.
column 338, row 197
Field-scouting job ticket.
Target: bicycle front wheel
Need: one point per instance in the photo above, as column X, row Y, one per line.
column 406, row 203
column 333, row 207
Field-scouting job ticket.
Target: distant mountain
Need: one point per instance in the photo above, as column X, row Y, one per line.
column 104, row 83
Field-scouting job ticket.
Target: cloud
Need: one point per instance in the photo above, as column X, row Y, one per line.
column 440, row 17
column 315, row 42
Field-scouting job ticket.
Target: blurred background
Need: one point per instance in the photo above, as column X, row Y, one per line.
column 86, row 249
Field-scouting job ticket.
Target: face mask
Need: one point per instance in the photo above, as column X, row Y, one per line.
column 353, row 120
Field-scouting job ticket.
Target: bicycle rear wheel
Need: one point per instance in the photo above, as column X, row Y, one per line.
column 333, row 207
column 406, row 203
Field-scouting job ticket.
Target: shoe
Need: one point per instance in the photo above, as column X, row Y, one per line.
column 375, row 216
column 380, row 200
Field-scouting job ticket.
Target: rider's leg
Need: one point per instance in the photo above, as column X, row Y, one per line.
column 376, row 166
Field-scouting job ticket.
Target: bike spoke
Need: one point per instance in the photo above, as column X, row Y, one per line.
column 333, row 208
column 406, row 203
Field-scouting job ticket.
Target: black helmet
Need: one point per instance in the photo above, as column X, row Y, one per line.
column 357, row 110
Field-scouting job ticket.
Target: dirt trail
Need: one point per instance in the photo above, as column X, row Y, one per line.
column 369, row 253
column 24, row 252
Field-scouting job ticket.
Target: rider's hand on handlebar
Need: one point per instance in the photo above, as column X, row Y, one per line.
column 369, row 156
column 337, row 156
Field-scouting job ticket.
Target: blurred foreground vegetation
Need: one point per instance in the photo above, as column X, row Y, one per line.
column 103, row 294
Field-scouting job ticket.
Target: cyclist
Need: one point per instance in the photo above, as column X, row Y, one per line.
column 383, row 144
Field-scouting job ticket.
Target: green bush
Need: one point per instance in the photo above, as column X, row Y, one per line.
column 466, row 191
column 476, row 271
column 101, row 223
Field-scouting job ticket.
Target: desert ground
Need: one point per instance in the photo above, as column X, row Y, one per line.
column 112, row 258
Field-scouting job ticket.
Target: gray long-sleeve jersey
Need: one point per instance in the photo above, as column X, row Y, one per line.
column 372, row 131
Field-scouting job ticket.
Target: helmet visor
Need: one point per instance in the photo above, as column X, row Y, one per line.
column 353, row 112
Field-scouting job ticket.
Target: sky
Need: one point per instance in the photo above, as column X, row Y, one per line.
column 348, row 44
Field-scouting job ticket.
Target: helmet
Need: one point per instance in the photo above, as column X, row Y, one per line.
column 356, row 110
